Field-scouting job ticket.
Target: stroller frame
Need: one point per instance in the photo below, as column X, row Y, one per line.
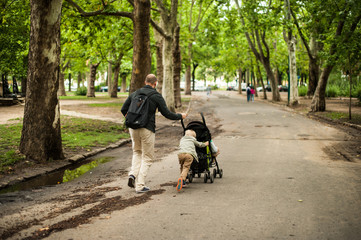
column 207, row 161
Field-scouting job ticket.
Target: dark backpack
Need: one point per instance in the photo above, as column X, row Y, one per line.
column 137, row 116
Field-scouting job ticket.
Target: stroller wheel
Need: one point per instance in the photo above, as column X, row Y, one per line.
column 205, row 177
column 190, row 178
column 211, row 177
column 214, row 172
column 220, row 173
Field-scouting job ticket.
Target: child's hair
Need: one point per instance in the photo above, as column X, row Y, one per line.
column 190, row 133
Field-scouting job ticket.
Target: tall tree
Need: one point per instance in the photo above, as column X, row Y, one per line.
column 346, row 21
column 167, row 26
column 291, row 42
column 141, row 38
column 257, row 38
column 193, row 27
column 41, row 136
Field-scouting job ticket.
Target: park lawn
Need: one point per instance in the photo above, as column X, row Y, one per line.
column 99, row 96
column 78, row 135
column 342, row 117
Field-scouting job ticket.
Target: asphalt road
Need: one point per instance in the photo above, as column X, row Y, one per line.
column 278, row 183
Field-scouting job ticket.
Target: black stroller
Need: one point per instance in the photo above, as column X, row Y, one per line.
column 206, row 161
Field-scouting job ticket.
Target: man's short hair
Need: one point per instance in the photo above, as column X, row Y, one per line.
column 151, row 78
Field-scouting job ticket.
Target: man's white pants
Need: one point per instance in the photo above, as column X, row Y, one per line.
column 143, row 154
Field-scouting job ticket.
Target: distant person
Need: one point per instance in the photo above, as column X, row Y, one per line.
column 143, row 138
column 187, row 152
column 209, row 91
column 248, row 91
column 253, row 92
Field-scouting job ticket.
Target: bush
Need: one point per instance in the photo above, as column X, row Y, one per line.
column 215, row 87
column 332, row 91
column 302, row 91
column 82, row 91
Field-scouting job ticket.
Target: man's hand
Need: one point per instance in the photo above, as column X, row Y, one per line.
column 184, row 115
column 206, row 143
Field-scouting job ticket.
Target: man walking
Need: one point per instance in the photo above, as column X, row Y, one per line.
column 143, row 138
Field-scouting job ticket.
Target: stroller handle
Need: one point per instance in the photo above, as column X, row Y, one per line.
column 204, row 122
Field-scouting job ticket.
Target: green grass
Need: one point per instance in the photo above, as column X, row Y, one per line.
column 86, row 133
column 343, row 117
column 113, row 104
column 98, row 96
column 78, row 134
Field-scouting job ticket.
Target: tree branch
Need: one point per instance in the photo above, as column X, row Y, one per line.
column 99, row 12
column 174, row 11
column 265, row 43
column 159, row 29
column 163, row 10
column 250, row 43
column 259, row 44
column 201, row 18
column 301, row 34
column 131, row 2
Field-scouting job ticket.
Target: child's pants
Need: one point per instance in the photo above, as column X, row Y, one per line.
column 185, row 161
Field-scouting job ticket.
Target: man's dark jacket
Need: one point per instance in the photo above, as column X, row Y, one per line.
column 156, row 101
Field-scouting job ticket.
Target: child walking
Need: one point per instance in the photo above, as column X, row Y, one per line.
column 187, row 153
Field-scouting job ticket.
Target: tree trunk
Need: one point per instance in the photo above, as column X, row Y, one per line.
column 188, row 71
column 109, row 80
column 114, row 93
column 246, row 77
column 159, row 49
column 41, row 135
column 275, row 93
column 177, row 61
column 261, row 80
column 188, row 82
column 277, row 77
column 69, row 78
column 293, row 71
column 313, row 76
column 318, row 103
column 79, row 80
column 168, row 87
column 23, row 86
column 61, row 91
column 240, row 80
column 141, row 44
column 93, row 72
column 124, row 83
column 195, row 65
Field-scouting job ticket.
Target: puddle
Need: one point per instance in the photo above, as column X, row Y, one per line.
column 70, row 175
column 58, row 177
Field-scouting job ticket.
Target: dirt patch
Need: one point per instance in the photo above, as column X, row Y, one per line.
column 105, row 206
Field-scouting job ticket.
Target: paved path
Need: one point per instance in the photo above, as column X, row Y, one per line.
column 278, row 184
column 9, row 113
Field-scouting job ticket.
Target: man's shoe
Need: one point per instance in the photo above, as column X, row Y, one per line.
column 184, row 184
column 131, row 181
column 143, row 190
column 180, row 184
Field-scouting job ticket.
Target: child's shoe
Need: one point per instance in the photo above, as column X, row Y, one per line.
column 180, row 184
column 184, row 184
